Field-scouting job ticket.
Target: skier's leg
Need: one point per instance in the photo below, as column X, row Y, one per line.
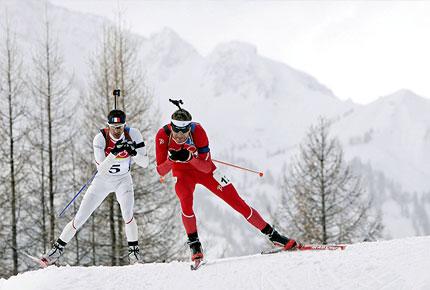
column 229, row 194
column 96, row 193
column 125, row 196
column 184, row 188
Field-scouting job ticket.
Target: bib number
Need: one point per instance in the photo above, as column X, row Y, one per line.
column 222, row 179
column 115, row 168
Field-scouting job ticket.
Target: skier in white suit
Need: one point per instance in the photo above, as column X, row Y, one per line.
column 114, row 148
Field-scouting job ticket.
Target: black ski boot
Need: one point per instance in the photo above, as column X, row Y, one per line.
column 133, row 253
column 54, row 254
column 195, row 247
column 280, row 240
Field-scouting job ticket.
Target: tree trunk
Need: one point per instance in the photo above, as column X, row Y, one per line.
column 112, row 229
column 42, row 187
column 12, row 180
column 50, row 153
column 93, row 240
column 120, row 238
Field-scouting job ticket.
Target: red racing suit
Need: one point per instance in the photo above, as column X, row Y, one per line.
column 199, row 170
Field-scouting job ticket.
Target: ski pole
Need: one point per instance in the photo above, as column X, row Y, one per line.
column 77, row 194
column 238, row 167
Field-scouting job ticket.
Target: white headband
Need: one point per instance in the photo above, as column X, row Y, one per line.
column 180, row 124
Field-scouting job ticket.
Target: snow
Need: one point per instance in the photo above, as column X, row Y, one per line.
column 395, row 264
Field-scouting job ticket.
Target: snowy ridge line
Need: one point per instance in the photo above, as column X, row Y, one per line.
column 395, row 264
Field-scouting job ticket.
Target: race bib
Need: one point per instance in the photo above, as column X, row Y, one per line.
column 222, row 179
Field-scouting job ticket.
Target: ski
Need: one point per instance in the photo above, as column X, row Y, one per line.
column 36, row 260
column 309, row 247
column 321, row 247
column 197, row 264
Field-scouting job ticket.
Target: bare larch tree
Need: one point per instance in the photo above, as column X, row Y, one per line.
column 323, row 201
column 12, row 128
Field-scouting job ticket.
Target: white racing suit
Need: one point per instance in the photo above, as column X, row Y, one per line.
column 113, row 176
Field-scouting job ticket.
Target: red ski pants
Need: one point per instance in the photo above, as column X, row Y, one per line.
column 185, row 185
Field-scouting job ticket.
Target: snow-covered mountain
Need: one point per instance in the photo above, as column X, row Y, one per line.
column 396, row 264
column 256, row 112
column 394, row 134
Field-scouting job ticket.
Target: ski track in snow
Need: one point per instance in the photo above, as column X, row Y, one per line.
column 395, row 264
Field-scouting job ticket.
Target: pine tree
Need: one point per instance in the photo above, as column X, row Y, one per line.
column 323, row 201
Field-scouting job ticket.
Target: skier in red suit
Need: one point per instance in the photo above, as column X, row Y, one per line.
column 183, row 147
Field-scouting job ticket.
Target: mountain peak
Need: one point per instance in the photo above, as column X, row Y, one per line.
column 235, row 48
column 170, row 38
column 169, row 48
column 404, row 93
column 400, row 97
column 166, row 32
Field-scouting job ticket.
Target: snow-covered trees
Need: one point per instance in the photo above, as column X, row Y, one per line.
column 323, row 200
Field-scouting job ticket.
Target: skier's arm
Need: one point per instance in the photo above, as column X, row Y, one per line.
column 103, row 162
column 141, row 157
column 202, row 160
column 164, row 165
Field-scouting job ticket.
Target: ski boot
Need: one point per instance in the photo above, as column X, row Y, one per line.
column 133, row 253
column 53, row 254
column 280, row 240
column 196, row 250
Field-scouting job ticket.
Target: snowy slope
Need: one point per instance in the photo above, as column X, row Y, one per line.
column 396, row 264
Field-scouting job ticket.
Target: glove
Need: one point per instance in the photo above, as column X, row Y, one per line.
column 165, row 167
column 131, row 148
column 182, row 155
column 201, row 165
column 190, row 148
column 120, row 146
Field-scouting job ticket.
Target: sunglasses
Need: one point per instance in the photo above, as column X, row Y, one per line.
column 180, row 129
column 116, row 126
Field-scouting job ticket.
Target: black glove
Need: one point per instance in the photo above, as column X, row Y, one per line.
column 131, row 148
column 120, row 146
column 182, row 155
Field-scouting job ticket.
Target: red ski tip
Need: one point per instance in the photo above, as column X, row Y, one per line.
column 260, row 174
column 197, row 256
column 322, row 247
column 43, row 263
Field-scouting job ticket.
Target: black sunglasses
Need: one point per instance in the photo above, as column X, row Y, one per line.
column 180, row 129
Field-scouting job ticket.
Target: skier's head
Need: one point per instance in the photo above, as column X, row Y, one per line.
column 180, row 122
column 116, row 123
column 116, row 117
column 181, row 125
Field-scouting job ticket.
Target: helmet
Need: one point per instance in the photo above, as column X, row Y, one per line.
column 116, row 117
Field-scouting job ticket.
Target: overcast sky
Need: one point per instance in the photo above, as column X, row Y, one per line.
column 359, row 50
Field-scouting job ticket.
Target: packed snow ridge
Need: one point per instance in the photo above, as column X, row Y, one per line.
column 395, row 264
